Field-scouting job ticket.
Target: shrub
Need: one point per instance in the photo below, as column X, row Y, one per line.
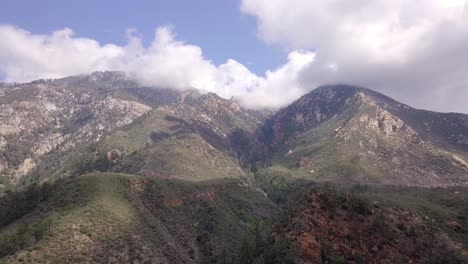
column 159, row 136
column 332, row 197
column 16, row 204
column 24, row 237
column 280, row 251
column 328, row 256
column 360, row 204
column 379, row 225
column 15, row 153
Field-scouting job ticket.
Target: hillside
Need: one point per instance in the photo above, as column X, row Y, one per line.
column 97, row 169
column 339, row 133
column 119, row 218
column 336, row 224
column 46, row 121
column 49, row 126
column 192, row 141
column 350, row 134
column 116, row 218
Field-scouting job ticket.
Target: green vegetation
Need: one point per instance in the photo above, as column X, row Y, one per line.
column 279, row 182
column 328, row 255
column 14, row 205
column 383, row 218
column 446, row 206
column 25, row 236
column 259, row 246
column 83, row 116
column 15, row 151
column 100, row 217
column 197, row 189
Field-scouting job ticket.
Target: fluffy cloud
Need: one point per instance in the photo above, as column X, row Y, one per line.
column 283, row 85
column 24, row 56
column 166, row 62
column 413, row 50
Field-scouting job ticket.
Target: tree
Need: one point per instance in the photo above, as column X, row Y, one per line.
column 245, row 256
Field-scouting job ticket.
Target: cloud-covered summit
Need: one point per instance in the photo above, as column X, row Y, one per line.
column 413, row 50
column 166, row 62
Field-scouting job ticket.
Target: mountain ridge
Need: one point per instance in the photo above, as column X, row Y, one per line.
column 335, row 126
column 56, row 116
column 95, row 168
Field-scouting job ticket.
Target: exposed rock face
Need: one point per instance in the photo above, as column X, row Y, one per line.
column 349, row 133
column 189, row 141
column 48, row 126
column 358, row 135
column 114, row 155
column 304, row 163
column 205, row 148
column 59, row 116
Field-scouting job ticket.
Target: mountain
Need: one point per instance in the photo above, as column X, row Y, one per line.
column 189, row 141
column 47, row 125
column 96, row 168
column 55, row 128
column 46, row 119
column 350, row 134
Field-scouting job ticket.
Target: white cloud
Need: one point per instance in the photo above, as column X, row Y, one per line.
column 278, row 88
column 281, row 86
column 25, row 56
column 166, row 62
column 414, row 50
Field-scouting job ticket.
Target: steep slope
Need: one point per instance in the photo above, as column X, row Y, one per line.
column 351, row 134
column 47, row 124
column 152, row 175
column 190, row 140
column 43, row 121
column 116, row 218
column 324, row 224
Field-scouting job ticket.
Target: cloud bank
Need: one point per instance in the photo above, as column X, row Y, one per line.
column 413, row 50
column 166, row 62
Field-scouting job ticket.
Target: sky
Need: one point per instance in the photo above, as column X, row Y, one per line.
column 264, row 53
column 217, row 26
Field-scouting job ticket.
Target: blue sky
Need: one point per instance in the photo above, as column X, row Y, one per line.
column 217, row 26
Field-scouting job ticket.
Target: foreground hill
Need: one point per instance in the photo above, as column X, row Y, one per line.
column 350, row 134
column 119, row 218
column 116, row 218
column 327, row 224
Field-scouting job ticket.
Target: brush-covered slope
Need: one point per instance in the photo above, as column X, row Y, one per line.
column 351, row 134
column 190, row 141
column 116, row 218
column 327, row 224
column 44, row 121
column 45, row 125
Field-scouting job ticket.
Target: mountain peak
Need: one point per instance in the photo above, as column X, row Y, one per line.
column 366, row 95
column 368, row 135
